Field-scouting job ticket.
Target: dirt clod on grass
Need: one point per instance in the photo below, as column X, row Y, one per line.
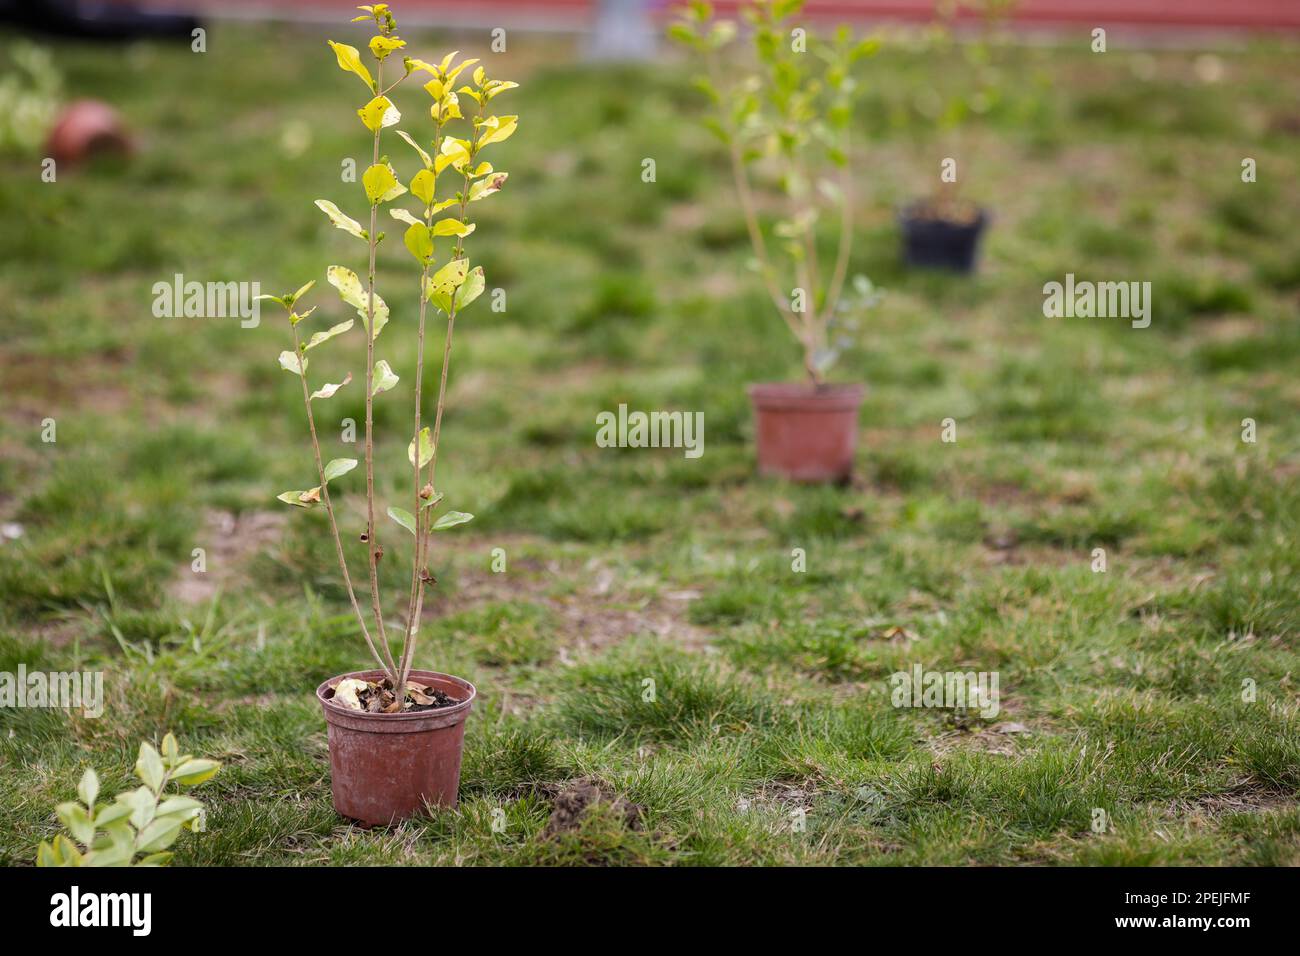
column 574, row 800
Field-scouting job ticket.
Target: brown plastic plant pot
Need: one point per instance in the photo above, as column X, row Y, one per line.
column 85, row 128
column 387, row 767
column 805, row 433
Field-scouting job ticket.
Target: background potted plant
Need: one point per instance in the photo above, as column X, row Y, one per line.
column 943, row 230
column 787, row 127
column 396, row 734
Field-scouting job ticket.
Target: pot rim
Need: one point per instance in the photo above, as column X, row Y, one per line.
column 830, row 397
column 415, row 715
column 904, row 214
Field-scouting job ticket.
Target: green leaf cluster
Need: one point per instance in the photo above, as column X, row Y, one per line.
column 138, row 826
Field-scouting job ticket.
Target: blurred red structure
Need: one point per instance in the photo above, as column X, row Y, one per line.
column 569, row 14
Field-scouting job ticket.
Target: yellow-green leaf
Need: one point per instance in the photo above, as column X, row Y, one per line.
column 499, row 129
column 300, row 499
column 446, row 108
column 354, row 294
column 328, row 390
column 426, row 447
column 338, row 467
column 350, row 59
column 470, row 289
column 384, row 378
column 88, row 788
column 117, row 810
column 415, row 63
column 292, row 362
column 340, row 219
column 486, row 187
column 455, row 153
column 45, row 855
column 452, row 274
column 403, row 517
column 325, row 336
column 451, row 519
column 435, row 87
column 452, row 74
column 423, row 185
column 379, row 113
column 424, row 156
column 158, row 835
column 452, row 227
column 403, row 215
column 381, row 183
column 381, row 46
column 194, row 772
column 445, row 282
column 419, row 241
column 76, row 821
column 149, row 767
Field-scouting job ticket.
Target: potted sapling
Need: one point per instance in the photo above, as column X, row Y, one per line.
column 396, row 734
column 786, row 124
column 942, row 230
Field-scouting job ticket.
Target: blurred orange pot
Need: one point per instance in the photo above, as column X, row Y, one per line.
column 387, row 767
column 84, row 128
column 806, row 433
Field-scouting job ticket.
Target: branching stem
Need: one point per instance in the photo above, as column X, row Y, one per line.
column 388, row 668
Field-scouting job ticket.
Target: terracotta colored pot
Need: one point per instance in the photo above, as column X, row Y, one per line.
column 84, row 128
column 387, row 767
column 806, row 434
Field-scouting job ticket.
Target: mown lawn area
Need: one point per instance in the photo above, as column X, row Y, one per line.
column 1121, row 691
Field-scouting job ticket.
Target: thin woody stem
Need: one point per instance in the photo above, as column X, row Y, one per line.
column 846, row 234
column 417, row 556
column 411, row 622
column 389, row 667
column 409, row 651
column 372, row 542
column 420, row 517
column 813, row 316
column 750, row 211
column 395, row 85
column 415, row 607
column 805, row 269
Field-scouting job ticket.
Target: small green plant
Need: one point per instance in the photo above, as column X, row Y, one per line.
column 138, row 826
column 953, row 102
column 30, row 94
column 448, row 282
column 788, row 125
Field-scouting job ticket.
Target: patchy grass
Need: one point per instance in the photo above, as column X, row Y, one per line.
column 649, row 644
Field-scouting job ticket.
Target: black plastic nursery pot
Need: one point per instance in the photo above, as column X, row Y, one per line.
column 935, row 243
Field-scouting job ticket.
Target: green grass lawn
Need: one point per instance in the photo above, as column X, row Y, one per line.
column 1120, row 691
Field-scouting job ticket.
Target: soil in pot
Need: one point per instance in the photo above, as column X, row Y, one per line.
column 377, row 697
column 806, row 433
column 942, row 234
column 386, row 767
